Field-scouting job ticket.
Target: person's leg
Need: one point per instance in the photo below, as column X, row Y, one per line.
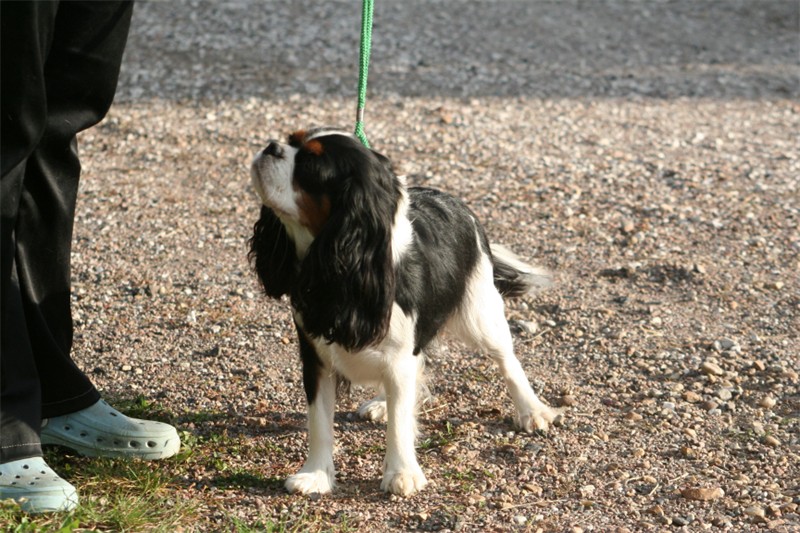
column 24, row 476
column 80, row 74
column 26, row 36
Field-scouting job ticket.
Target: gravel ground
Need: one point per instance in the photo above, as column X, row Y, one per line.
column 645, row 151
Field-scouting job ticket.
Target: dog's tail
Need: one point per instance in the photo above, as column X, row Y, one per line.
column 513, row 277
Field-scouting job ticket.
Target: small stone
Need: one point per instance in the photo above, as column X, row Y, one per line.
column 710, row 405
column 710, row 368
column 628, row 226
column 756, row 512
column 692, row 397
column 702, row 494
column 681, row 521
column 568, row 400
column 769, row 440
column 656, row 510
column 688, row 452
column 724, row 394
column 727, row 345
column 533, row 488
column 520, row 520
column 767, row 402
column 126, row 368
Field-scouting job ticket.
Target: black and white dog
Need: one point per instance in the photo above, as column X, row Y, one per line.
column 375, row 271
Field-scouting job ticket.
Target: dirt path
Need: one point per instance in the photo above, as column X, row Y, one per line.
column 645, row 151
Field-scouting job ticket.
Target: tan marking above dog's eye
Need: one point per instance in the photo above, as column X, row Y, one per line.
column 315, row 147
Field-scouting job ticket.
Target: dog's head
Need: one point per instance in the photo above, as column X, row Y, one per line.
column 324, row 235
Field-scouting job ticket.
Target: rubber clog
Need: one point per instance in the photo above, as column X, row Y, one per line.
column 102, row 431
column 35, row 487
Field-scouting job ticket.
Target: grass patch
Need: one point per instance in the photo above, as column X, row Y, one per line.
column 438, row 439
column 115, row 495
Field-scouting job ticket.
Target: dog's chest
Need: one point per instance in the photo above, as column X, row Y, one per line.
column 369, row 366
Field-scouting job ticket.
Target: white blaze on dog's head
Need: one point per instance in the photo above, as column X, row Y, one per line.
column 272, row 174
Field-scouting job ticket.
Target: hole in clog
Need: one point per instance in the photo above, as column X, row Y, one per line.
column 32, row 483
column 151, row 444
column 25, row 467
column 112, row 413
column 99, row 439
column 14, row 482
column 133, row 444
column 17, row 477
column 84, row 434
column 67, row 428
column 117, row 443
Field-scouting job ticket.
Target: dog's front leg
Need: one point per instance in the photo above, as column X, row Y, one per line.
column 402, row 474
column 318, row 473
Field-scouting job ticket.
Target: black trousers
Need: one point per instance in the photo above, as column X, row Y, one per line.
column 60, row 65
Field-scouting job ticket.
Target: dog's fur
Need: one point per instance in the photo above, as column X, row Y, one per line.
column 375, row 271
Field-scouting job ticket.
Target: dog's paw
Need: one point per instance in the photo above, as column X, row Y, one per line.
column 538, row 417
column 374, row 409
column 317, row 481
column 404, row 483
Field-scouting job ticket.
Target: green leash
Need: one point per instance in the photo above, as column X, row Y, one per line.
column 363, row 68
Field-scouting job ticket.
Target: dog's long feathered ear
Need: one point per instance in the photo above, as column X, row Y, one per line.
column 345, row 289
column 272, row 255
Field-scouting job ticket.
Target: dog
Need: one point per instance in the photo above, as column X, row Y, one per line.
column 375, row 271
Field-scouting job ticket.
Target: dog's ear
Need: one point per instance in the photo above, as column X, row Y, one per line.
column 345, row 289
column 272, row 254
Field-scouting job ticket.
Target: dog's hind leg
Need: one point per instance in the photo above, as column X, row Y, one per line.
column 374, row 409
column 481, row 322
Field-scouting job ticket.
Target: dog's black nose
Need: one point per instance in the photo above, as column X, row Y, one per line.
column 273, row 149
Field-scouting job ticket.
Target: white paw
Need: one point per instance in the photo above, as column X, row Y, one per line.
column 537, row 417
column 374, row 409
column 404, row 483
column 317, row 481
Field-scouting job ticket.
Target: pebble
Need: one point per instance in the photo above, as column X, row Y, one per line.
column 724, row 394
column 520, row 520
column 702, row 494
column 681, row 521
column 770, row 440
column 692, row 397
column 711, row 368
column 727, row 345
column 756, row 512
column 533, row 488
column 767, row 402
column 568, row 400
